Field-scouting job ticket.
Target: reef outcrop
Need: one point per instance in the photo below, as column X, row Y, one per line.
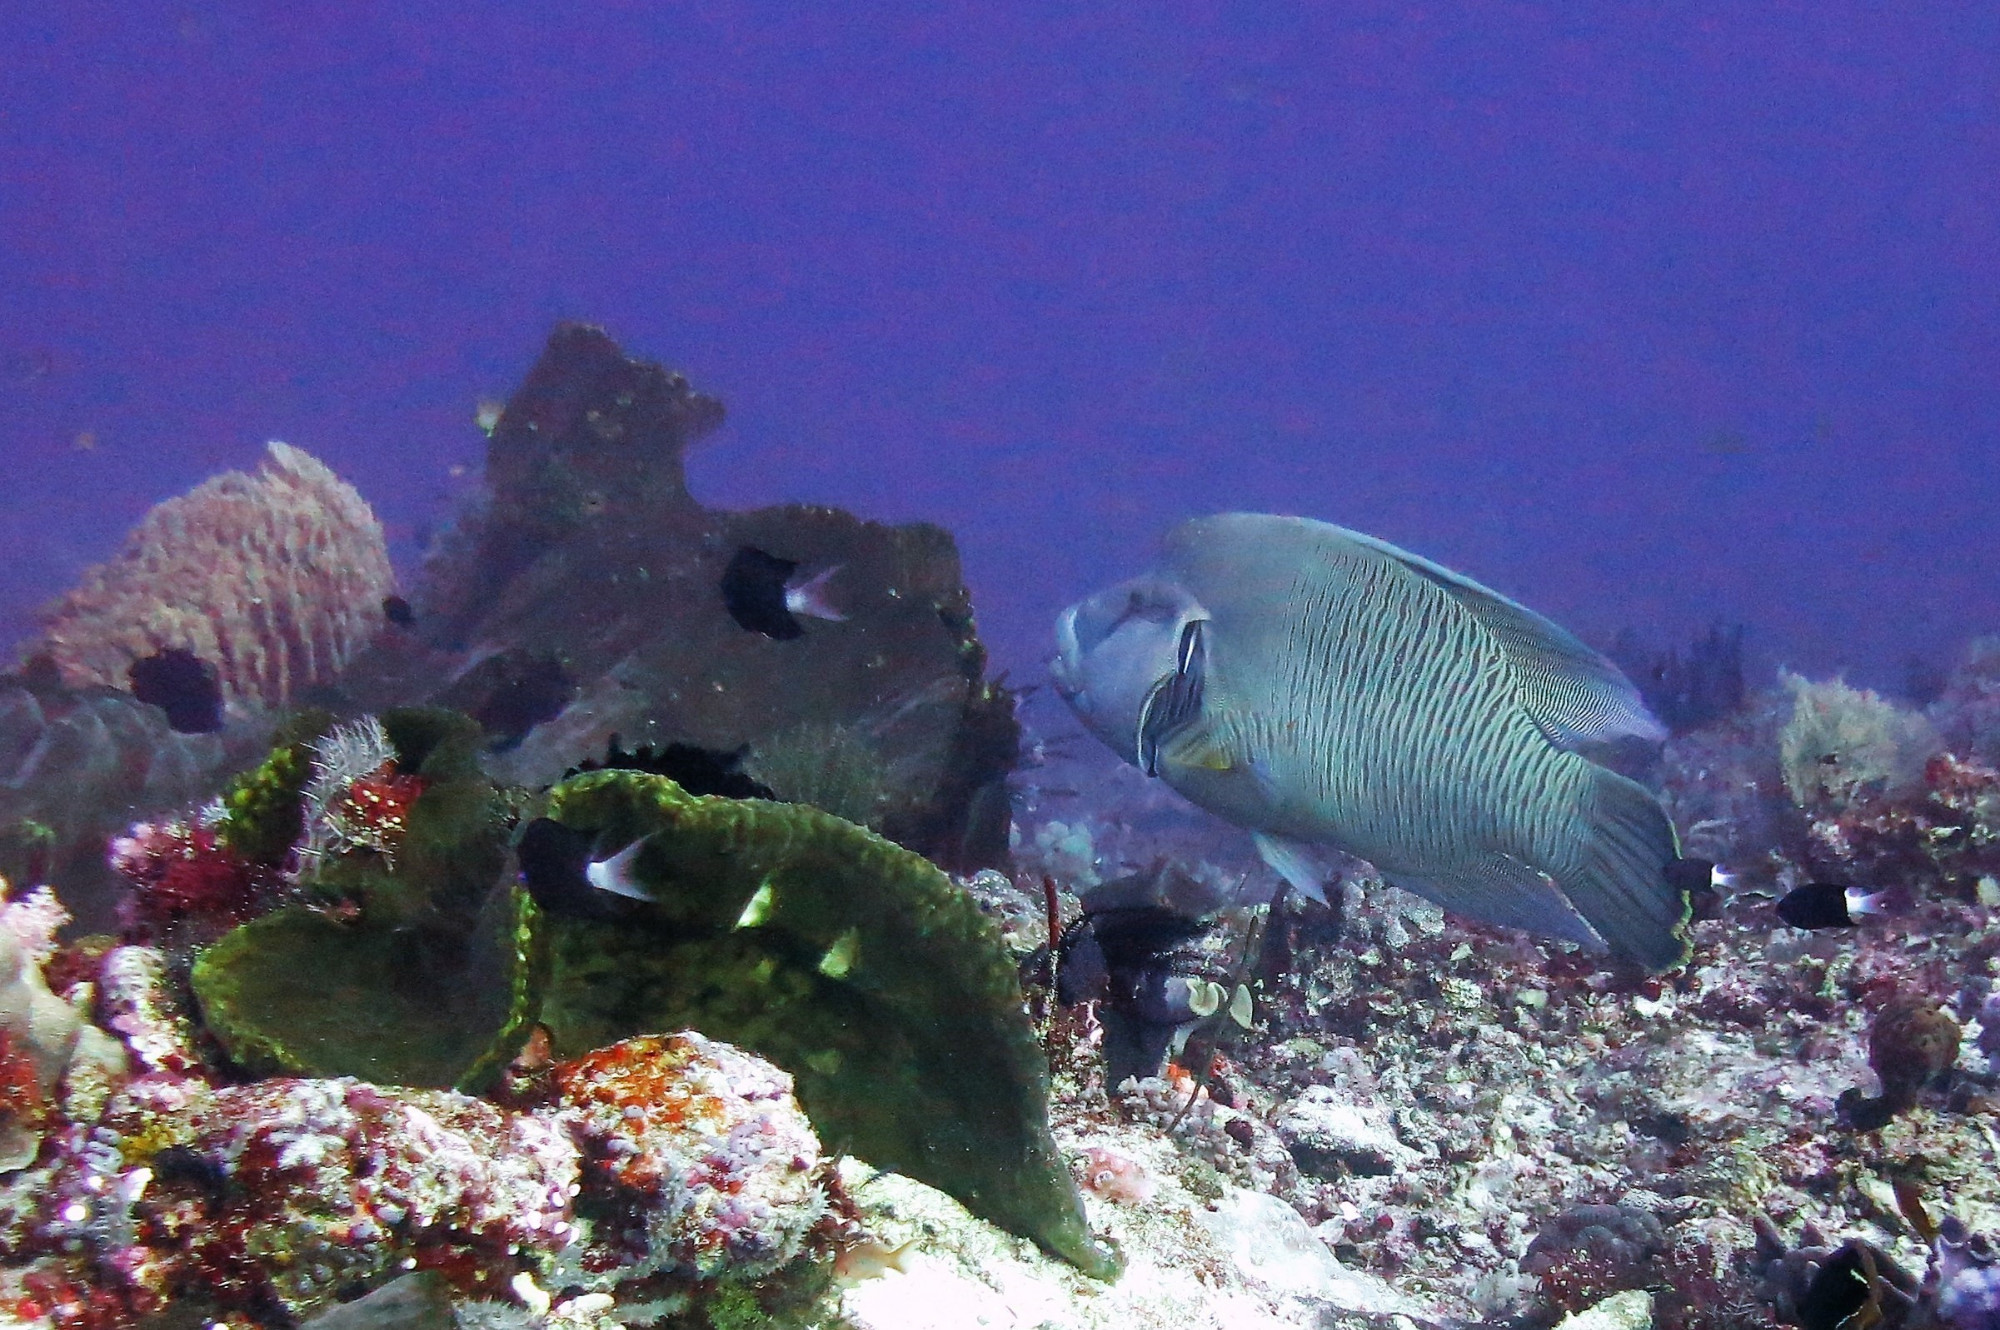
column 581, row 599
column 856, row 965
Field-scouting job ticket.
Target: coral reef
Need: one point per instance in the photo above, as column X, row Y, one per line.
column 275, row 579
column 410, row 960
column 1964, row 1279
column 1589, row 1252
column 277, row 1197
column 674, row 1170
column 581, row 600
column 1913, row 1043
column 263, row 808
column 827, row 766
column 135, row 1000
column 1489, row 1090
column 43, row 1038
column 1842, row 741
column 697, row 1162
column 388, row 1033
column 186, row 881
column 302, row 991
column 855, row 965
column 1941, row 837
column 77, row 767
column 357, row 798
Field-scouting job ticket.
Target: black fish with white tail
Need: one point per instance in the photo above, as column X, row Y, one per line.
column 1830, row 905
column 760, row 593
column 564, row 872
column 1319, row 686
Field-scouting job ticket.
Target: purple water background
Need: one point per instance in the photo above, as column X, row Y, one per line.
column 1646, row 313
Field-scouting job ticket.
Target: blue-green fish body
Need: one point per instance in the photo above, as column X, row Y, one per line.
column 1314, row 684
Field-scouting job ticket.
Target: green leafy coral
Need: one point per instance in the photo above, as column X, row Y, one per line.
column 299, row 993
column 262, row 808
column 855, row 965
column 422, row 970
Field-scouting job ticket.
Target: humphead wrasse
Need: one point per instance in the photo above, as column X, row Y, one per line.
column 1316, row 685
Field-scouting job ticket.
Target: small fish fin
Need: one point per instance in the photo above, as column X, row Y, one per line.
column 1622, row 883
column 1575, row 695
column 902, row 1256
column 1500, row 889
column 1175, row 700
column 1882, row 903
column 1242, row 1009
column 615, row 874
column 1293, row 862
column 810, row 597
column 1910, row 1200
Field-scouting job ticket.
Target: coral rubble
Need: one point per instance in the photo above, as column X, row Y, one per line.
column 697, row 1162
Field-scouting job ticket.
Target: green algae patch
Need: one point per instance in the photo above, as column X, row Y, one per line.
column 300, row 993
column 263, row 806
column 409, row 966
column 855, row 965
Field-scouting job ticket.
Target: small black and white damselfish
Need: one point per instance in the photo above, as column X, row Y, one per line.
column 561, row 867
column 758, row 591
column 1831, row 905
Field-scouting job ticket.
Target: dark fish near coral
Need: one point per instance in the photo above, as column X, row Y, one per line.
column 1316, row 685
column 1854, row 1286
column 397, row 611
column 1127, row 954
column 1831, row 905
column 695, row 769
column 758, row 592
column 1853, row 1289
column 183, row 685
column 562, row 870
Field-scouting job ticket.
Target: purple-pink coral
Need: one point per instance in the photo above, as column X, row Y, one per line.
column 696, row 1159
column 274, row 1198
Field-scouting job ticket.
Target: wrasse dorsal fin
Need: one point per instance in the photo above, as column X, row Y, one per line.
column 1175, row 701
column 1574, row 694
